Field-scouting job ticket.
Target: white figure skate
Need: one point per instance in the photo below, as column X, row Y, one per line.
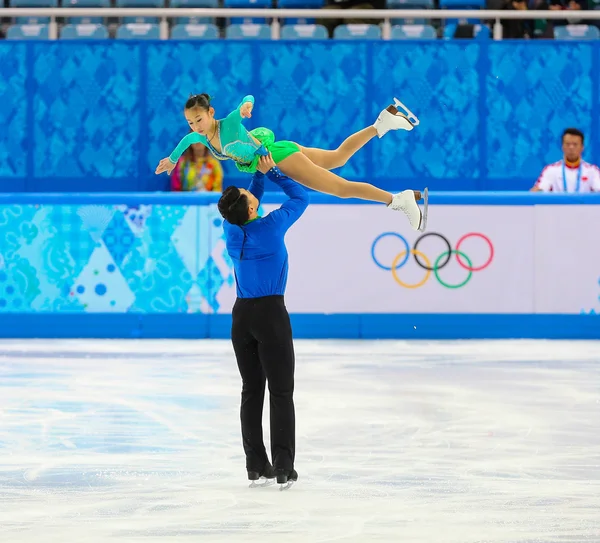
column 406, row 201
column 392, row 119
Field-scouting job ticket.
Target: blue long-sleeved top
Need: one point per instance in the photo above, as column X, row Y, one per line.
column 257, row 249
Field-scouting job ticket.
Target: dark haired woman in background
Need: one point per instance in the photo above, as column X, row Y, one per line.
column 197, row 170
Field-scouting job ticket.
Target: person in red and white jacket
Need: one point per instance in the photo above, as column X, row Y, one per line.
column 572, row 173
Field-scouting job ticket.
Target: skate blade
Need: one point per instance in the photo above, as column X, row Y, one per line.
column 286, row 486
column 413, row 119
column 423, row 224
column 263, row 483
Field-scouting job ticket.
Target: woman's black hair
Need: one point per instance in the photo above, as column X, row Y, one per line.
column 233, row 206
column 198, row 100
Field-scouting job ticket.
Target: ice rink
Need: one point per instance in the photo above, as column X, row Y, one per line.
column 396, row 442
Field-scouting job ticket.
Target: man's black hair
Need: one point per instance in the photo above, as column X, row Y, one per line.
column 233, row 206
column 573, row 132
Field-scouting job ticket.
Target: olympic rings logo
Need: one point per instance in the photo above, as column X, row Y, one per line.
column 439, row 263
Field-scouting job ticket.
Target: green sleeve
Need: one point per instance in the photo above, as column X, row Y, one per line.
column 230, row 125
column 247, row 98
column 234, row 116
column 184, row 144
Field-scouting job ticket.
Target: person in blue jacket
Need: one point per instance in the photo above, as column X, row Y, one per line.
column 261, row 332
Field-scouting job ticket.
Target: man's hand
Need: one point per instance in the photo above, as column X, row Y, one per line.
column 265, row 163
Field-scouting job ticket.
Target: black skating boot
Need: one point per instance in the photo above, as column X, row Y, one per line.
column 267, row 474
column 286, row 478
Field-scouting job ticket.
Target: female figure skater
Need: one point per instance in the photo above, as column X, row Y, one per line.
column 228, row 139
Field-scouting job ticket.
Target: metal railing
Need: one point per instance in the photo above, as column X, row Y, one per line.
column 386, row 15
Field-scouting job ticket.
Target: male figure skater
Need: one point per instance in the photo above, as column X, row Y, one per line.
column 261, row 332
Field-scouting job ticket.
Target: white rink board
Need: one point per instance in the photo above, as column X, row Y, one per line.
column 338, row 262
column 567, row 258
column 526, row 259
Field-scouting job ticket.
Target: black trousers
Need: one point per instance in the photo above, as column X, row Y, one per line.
column 262, row 340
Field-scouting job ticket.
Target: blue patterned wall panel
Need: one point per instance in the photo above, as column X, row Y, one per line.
column 86, row 108
column 111, row 258
column 93, row 111
column 315, row 94
column 225, row 71
column 19, row 285
column 13, row 110
column 592, row 143
column 533, row 94
column 439, row 82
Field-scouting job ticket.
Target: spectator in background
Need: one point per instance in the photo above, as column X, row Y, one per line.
column 541, row 28
column 516, row 28
column 330, row 24
column 197, row 170
column 566, row 6
column 572, row 173
column 537, row 28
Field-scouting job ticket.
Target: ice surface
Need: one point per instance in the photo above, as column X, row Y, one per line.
column 396, row 441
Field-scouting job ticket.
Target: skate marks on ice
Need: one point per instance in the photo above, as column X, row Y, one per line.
column 424, row 441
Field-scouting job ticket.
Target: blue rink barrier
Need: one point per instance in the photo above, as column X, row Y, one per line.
column 305, row 326
column 139, row 265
